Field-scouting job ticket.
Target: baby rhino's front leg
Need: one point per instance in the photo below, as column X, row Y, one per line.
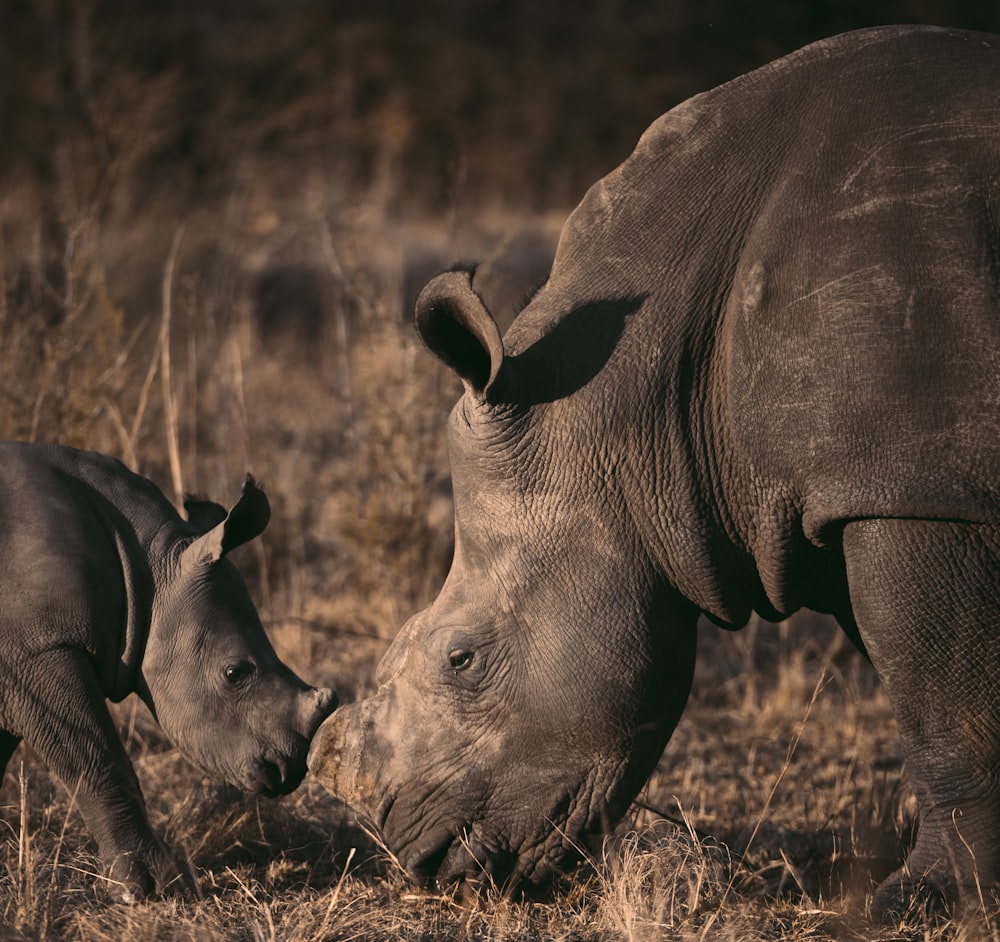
column 60, row 711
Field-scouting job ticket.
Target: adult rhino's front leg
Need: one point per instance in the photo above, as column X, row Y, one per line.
column 71, row 730
column 926, row 597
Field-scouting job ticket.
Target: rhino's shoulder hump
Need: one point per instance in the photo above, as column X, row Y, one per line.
column 717, row 155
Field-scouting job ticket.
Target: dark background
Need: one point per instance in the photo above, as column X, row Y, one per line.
column 314, row 163
column 520, row 100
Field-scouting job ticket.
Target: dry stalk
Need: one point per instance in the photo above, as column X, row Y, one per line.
column 169, row 405
column 343, row 355
column 140, row 409
column 335, row 895
column 25, row 855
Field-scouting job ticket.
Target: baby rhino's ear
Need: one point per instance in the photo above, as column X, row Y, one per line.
column 202, row 512
column 225, row 531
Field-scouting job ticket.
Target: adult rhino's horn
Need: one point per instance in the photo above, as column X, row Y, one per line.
column 453, row 322
column 247, row 519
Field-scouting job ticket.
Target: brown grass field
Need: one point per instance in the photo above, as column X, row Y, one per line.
column 214, row 276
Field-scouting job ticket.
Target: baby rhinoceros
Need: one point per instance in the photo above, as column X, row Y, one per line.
column 106, row 591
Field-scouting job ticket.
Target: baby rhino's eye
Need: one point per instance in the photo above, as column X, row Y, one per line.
column 238, row 672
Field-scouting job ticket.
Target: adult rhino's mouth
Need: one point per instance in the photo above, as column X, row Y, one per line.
column 466, row 858
column 449, row 862
column 463, row 863
column 425, row 864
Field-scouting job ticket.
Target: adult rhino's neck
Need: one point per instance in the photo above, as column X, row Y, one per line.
column 619, row 381
column 622, row 340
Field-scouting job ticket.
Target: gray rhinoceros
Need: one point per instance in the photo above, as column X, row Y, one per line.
column 107, row 591
column 764, row 373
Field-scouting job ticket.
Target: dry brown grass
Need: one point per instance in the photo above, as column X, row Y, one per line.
column 762, row 824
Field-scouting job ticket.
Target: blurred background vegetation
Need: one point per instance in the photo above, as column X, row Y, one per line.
column 429, row 106
column 215, row 216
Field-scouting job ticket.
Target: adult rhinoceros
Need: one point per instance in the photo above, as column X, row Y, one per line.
column 764, row 373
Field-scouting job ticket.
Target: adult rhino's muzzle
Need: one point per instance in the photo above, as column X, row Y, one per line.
column 455, row 859
column 354, row 763
column 342, row 758
column 459, row 860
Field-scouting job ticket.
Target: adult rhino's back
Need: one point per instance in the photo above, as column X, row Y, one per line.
column 862, row 331
column 817, row 245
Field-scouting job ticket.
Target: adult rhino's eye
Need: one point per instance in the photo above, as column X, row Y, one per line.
column 459, row 660
column 237, row 673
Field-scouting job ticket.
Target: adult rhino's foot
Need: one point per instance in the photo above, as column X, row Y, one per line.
column 901, row 898
column 935, row 896
column 922, row 893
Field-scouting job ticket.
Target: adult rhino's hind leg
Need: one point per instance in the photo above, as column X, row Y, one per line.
column 926, row 598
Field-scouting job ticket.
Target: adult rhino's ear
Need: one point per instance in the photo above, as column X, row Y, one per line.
column 247, row 519
column 453, row 322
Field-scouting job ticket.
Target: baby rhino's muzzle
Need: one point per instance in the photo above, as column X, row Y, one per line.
column 281, row 769
column 316, row 705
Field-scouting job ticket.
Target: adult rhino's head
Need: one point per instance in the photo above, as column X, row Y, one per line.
column 208, row 671
column 519, row 714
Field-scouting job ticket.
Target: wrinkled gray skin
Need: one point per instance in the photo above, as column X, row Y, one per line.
column 763, row 374
column 106, row 591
